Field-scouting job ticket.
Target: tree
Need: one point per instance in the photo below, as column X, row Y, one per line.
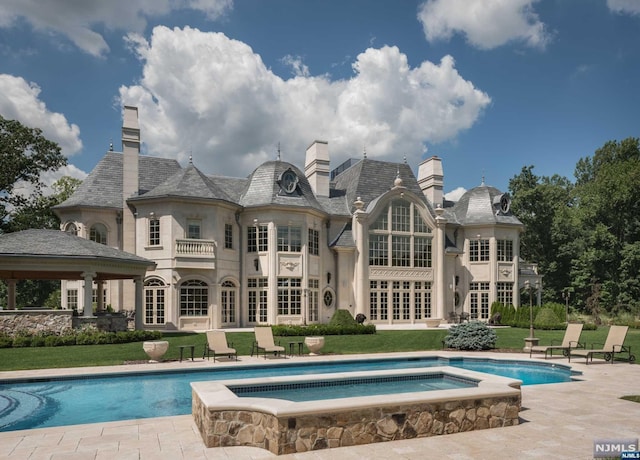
column 24, row 155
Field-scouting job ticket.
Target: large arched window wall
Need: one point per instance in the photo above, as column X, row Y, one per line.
column 228, row 303
column 154, row 301
column 400, row 257
column 194, row 298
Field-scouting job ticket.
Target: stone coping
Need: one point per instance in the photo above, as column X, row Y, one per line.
column 216, row 395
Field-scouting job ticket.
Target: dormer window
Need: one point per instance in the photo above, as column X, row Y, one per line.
column 288, row 181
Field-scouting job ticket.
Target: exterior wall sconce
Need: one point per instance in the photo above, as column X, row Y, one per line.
column 328, row 277
column 256, row 263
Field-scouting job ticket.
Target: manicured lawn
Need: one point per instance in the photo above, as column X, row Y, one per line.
column 509, row 339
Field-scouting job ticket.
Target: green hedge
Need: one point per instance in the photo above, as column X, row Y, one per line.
column 77, row 337
column 322, row 329
column 543, row 316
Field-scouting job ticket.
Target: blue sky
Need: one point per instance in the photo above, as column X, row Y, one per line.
column 490, row 86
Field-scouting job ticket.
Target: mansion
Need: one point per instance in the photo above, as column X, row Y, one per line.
column 290, row 246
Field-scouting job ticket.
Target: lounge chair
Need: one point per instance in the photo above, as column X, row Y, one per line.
column 217, row 344
column 264, row 341
column 571, row 340
column 614, row 344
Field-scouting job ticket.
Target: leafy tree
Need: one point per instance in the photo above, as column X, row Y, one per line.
column 24, row 155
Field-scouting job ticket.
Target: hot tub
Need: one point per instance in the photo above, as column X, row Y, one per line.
column 283, row 426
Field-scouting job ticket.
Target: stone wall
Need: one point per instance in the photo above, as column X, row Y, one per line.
column 57, row 322
column 286, row 435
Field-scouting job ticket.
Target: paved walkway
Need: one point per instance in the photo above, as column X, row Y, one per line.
column 558, row 421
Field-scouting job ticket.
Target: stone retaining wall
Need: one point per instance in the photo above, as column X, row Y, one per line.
column 286, row 435
column 57, row 322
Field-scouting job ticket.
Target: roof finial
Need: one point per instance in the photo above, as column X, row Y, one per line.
column 278, row 158
column 364, row 151
column 111, row 145
column 405, row 159
column 482, row 184
column 190, row 157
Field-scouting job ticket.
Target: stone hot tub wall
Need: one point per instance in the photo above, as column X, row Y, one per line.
column 286, row 428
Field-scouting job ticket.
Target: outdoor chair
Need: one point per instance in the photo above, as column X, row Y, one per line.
column 571, row 340
column 264, row 341
column 217, row 344
column 612, row 346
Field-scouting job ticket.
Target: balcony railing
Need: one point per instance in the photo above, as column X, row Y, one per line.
column 193, row 247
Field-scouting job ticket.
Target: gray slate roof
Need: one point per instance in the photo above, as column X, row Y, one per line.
column 262, row 188
column 188, row 183
column 103, row 186
column 368, row 179
column 478, row 206
column 58, row 244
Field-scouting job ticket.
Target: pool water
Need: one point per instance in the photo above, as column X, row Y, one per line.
column 69, row 401
column 354, row 387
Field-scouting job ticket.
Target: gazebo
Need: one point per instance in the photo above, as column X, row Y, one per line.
column 55, row 255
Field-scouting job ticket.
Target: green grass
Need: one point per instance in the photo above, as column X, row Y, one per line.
column 509, row 339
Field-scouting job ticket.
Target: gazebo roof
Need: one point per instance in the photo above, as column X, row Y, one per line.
column 53, row 254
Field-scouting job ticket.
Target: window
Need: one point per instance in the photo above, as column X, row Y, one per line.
column 479, row 297
column 154, row 232
column 289, row 296
column 72, row 299
column 258, row 293
column 422, row 299
column 193, row 229
column 71, row 228
column 505, row 250
column 228, row 236
column 479, row 250
column 289, row 239
column 504, row 293
column 154, row 301
column 98, row 233
column 404, row 296
column 257, row 239
column 94, row 297
column 314, row 242
column 378, row 300
column 228, row 296
column 312, row 306
column 400, row 235
column 194, row 298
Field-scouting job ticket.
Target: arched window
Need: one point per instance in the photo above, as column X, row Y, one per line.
column 399, row 237
column 194, row 298
column 154, row 301
column 71, row 228
column 98, row 233
column 228, row 302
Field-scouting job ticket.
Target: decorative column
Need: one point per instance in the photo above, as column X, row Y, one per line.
column 99, row 296
column 439, row 272
column 139, row 285
column 11, row 294
column 361, row 287
column 88, row 294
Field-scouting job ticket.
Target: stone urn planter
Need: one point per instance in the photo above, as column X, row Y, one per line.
column 314, row 344
column 433, row 322
column 155, row 350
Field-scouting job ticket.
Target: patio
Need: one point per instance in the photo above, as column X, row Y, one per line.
column 557, row 421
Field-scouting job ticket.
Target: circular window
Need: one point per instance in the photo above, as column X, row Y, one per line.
column 289, row 181
column 505, row 203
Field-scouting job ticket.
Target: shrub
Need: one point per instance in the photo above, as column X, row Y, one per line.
column 474, row 335
column 547, row 319
column 5, row 341
column 342, row 318
column 21, row 341
column 322, row 329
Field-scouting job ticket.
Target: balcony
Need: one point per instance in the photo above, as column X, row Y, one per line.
column 192, row 253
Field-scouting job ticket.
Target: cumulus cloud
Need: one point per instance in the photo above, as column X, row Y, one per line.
column 78, row 21
column 624, row 6
column 210, row 96
column 455, row 194
column 486, row 24
column 20, row 100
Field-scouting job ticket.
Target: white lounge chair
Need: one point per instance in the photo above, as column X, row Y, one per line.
column 217, row 344
column 614, row 344
column 264, row 341
column 571, row 340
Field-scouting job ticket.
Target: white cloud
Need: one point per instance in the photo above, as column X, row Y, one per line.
column 206, row 94
column 77, row 20
column 624, row 6
column 20, row 100
column 486, row 24
column 455, row 194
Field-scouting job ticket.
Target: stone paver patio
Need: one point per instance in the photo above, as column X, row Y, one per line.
column 558, row 421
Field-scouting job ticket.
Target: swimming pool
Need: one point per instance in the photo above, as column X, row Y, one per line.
column 50, row 402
